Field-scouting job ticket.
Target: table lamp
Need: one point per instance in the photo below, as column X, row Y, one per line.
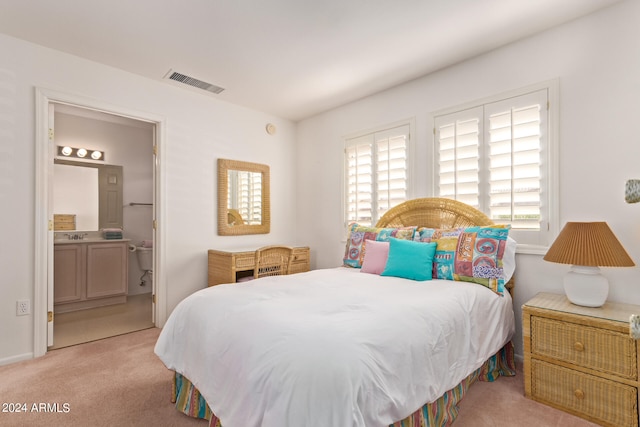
column 587, row 246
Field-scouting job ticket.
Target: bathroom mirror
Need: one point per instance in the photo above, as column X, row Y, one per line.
column 91, row 192
column 244, row 202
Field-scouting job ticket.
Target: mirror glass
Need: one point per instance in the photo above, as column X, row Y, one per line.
column 243, row 198
column 86, row 196
column 75, row 193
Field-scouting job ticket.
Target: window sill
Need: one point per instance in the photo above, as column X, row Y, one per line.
column 526, row 249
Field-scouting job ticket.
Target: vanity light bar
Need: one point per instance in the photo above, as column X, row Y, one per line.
column 80, row 153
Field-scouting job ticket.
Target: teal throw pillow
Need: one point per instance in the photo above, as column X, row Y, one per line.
column 410, row 260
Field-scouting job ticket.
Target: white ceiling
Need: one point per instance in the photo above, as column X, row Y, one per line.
column 291, row 58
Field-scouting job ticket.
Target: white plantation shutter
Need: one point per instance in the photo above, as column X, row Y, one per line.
column 491, row 156
column 375, row 174
column 391, row 168
column 516, row 130
column 247, row 198
column 458, row 157
column 359, row 182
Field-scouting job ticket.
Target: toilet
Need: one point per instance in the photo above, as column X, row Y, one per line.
column 145, row 261
column 145, row 258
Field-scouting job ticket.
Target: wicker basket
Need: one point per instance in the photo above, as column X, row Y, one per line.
column 64, row 222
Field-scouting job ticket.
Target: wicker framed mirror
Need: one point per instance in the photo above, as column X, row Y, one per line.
column 244, row 203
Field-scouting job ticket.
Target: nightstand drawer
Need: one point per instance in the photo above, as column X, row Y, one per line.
column 245, row 261
column 608, row 402
column 300, row 262
column 300, row 256
column 594, row 348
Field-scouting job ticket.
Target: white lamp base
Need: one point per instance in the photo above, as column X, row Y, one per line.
column 586, row 286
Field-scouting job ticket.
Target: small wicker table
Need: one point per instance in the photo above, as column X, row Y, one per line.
column 582, row 360
column 224, row 266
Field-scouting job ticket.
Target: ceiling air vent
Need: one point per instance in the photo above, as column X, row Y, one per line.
column 172, row 75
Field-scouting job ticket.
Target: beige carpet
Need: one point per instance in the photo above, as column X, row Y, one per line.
column 120, row 382
column 93, row 324
column 510, row 407
column 112, row 382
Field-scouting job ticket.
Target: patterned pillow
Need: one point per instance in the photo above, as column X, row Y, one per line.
column 472, row 254
column 353, row 253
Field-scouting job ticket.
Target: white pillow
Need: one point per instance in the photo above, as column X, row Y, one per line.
column 509, row 259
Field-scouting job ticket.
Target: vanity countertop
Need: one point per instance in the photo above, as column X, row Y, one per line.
column 66, row 241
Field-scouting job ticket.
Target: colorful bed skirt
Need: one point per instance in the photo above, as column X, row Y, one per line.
column 440, row 413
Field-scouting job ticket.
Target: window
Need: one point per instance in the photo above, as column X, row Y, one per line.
column 376, row 173
column 495, row 156
column 247, row 195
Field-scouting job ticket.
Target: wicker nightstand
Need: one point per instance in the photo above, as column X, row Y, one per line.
column 581, row 360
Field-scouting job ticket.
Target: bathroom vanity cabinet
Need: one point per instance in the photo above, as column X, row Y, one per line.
column 90, row 274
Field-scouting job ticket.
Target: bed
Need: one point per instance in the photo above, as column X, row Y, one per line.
column 345, row 347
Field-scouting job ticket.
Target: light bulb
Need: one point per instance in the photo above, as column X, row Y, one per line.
column 67, row 151
column 96, row 155
column 82, row 152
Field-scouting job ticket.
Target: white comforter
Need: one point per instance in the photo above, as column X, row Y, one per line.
column 331, row 347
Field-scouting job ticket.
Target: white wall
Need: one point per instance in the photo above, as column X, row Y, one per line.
column 199, row 129
column 597, row 62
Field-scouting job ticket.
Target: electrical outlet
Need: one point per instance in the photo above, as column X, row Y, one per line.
column 23, row 307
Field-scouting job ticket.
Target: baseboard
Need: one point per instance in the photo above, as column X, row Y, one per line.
column 519, row 359
column 17, row 358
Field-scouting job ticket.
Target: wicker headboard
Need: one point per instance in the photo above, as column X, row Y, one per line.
column 434, row 212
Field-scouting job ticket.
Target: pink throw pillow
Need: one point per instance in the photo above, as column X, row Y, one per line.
column 375, row 257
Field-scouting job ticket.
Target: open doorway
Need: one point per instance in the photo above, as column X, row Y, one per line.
column 103, row 230
column 81, row 110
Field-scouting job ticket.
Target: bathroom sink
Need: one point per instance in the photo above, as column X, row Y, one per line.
column 88, row 240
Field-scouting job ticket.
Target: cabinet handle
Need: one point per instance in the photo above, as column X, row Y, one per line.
column 579, row 394
column 578, row 346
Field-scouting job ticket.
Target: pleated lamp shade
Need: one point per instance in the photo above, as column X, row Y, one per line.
column 590, row 244
column 587, row 246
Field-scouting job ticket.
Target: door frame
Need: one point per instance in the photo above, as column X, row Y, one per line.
column 43, row 261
